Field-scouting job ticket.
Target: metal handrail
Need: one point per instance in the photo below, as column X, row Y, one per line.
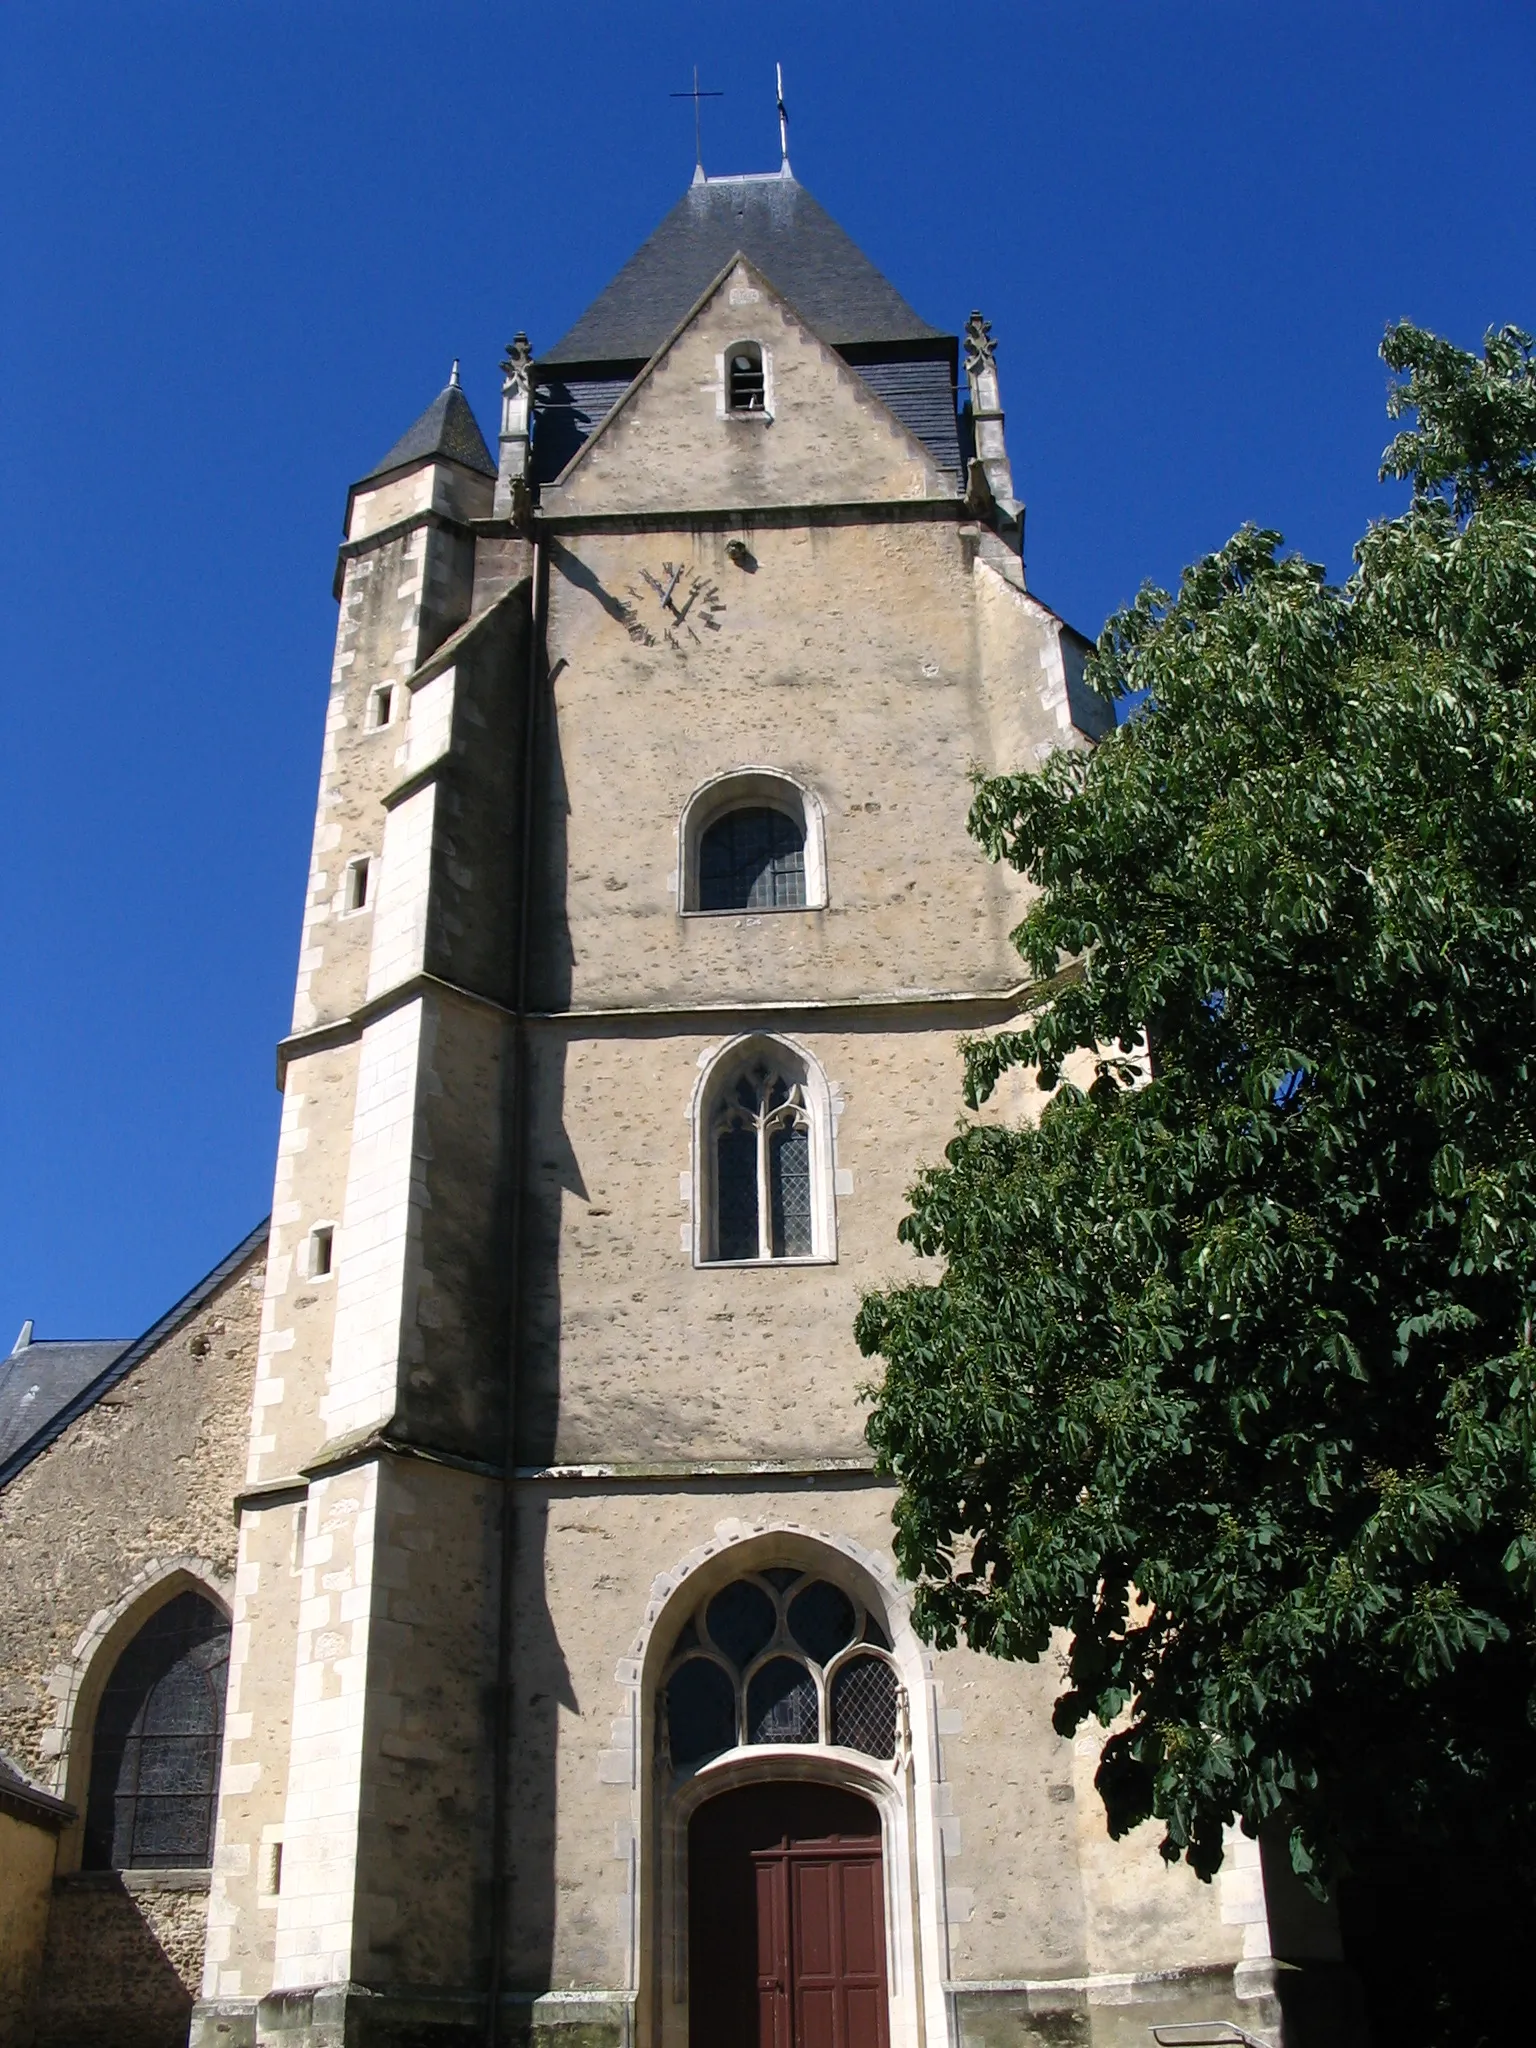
column 1205, row 2034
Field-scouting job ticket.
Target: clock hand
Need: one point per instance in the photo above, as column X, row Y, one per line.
column 677, row 577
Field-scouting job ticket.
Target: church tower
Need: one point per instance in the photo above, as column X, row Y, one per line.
column 573, row 1694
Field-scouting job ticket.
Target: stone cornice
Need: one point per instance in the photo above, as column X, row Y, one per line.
column 351, row 549
column 753, row 1473
column 743, row 518
column 984, row 1004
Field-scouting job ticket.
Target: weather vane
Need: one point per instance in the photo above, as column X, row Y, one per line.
column 696, row 96
column 778, row 72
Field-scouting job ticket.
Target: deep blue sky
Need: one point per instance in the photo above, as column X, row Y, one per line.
column 243, row 243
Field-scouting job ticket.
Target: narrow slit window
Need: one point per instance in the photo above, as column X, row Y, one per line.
column 357, row 885
column 383, row 706
column 745, row 377
column 321, row 1249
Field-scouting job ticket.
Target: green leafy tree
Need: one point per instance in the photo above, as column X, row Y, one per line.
column 1228, row 1372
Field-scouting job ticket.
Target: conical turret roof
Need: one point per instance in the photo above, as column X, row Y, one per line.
column 448, row 429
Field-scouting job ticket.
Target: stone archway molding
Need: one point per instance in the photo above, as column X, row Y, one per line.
column 903, row 1791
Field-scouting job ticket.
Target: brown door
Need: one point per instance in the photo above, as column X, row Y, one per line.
column 786, row 1920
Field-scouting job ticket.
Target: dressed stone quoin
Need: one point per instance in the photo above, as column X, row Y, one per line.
column 516, row 1474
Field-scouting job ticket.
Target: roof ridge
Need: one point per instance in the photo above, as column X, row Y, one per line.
column 138, row 1348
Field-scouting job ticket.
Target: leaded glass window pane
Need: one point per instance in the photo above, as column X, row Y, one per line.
column 155, row 1756
column 789, row 1180
column 736, row 1195
column 701, row 1711
column 875, row 1632
column 741, row 1621
column 822, row 1620
column 864, row 1706
column 752, row 860
column 781, row 1703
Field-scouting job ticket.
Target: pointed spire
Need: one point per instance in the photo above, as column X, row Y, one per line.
column 987, row 417
column 447, row 429
column 453, row 377
column 516, row 405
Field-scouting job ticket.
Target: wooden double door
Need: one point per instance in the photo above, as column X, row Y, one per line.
column 786, row 1920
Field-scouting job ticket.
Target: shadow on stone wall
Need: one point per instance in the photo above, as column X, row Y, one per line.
column 110, row 1975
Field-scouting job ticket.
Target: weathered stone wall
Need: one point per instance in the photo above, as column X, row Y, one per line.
column 634, row 1352
column 140, row 1486
column 824, row 438
column 1027, row 1885
column 147, row 1475
column 401, row 597
column 846, row 658
column 123, row 1961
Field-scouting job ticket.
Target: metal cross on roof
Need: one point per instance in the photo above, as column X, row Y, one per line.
column 696, row 96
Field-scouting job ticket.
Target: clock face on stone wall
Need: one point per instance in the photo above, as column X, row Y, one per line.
column 675, row 606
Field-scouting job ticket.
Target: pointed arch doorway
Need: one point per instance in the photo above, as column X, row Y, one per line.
column 786, row 1920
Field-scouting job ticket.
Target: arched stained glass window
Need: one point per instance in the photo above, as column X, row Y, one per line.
column 762, row 1145
column 778, row 1656
column 752, row 859
column 155, row 1755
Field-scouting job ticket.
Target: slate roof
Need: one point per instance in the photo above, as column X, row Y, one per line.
column 776, row 223
column 919, row 389
column 26, row 1801
column 46, row 1384
column 447, row 427
column 35, row 1383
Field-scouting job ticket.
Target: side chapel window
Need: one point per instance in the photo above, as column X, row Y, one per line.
column 760, row 1136
column 745, row 381
column 155, row 1755
column 779, row 1656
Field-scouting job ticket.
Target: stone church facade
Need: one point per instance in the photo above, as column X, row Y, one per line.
column 517, row 1467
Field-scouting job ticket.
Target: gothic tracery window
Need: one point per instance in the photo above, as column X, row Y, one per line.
column 760, row 1133
column 780, row 1656
column 155, row 1753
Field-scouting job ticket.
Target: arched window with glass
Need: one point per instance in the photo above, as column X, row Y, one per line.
column 777, row 1657
column 752, row 841
column 155, row 1748
column 752, row 859
column 765, row 1148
